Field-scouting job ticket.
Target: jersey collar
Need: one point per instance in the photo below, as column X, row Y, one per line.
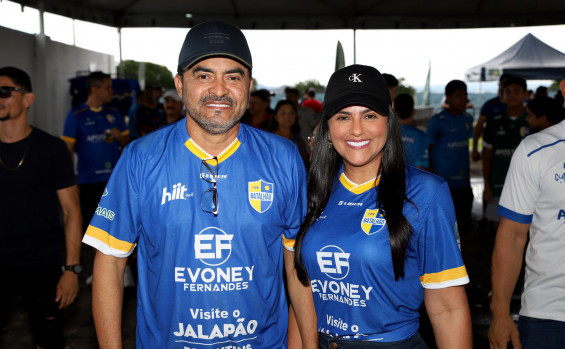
column 358, row 188
column 202, row 154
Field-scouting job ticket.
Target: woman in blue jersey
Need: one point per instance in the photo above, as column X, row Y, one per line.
column 379, row 237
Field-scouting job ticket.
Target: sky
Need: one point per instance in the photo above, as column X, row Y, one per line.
column 286, row 57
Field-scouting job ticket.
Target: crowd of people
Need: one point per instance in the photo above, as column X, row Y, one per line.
column 310, row 225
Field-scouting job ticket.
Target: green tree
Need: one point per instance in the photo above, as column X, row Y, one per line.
column 405, row 88
column 315, row 84
column 155, row 74
column 554, row 86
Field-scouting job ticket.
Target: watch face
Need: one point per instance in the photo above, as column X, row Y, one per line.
column 77, row 268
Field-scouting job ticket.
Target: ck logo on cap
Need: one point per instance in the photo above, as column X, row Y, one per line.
column 355, row 77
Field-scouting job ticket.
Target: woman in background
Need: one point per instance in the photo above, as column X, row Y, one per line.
column 285, row 124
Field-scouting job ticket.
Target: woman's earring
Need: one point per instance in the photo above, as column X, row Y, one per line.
column 330, row 144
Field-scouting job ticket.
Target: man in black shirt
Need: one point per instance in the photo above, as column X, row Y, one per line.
column 36, row 178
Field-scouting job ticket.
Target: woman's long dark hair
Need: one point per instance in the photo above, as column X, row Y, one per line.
column 390, row 199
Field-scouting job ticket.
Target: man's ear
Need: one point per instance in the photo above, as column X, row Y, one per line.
column 178, row 85
column 28, row 99
column 562, row 86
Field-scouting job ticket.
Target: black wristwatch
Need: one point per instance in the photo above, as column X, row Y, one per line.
column 75, row 268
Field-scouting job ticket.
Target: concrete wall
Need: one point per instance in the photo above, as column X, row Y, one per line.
column 50, row 65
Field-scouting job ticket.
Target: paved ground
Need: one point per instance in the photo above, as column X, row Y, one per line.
column 79, row 328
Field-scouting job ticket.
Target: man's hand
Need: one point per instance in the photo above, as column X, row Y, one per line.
column 503, row 330
column 67, row 289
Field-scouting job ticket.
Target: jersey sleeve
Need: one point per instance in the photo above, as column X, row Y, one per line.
column 441, row 264
column 114, row 228
column 296, row 207
column 70, row 128
column 520, row 191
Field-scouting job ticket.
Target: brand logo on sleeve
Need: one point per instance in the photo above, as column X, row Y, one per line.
column 260, row 195
column 104, row 212
column 373, row 221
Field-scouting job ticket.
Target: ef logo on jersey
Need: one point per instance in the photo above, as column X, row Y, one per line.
column 372, row 222
column 333, row 262
column 212, row 246
column 260, row 195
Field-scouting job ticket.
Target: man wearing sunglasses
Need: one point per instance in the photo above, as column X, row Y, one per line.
column 36, row 176
column 213, row 206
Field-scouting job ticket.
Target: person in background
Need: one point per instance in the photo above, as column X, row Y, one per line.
column 36, row 178
column 173, row 105
column 259, row 114
column 490, row 108
column 502, row 135
column 415, row 140
column 285, row 124
column 311, row 102
column 392, row 83
column 96, row 133
column 378, row 227
column 305, row 115
column 531, row 209
column 448, row 137
column 150, row 114
column 543, row 112
column 541, row 91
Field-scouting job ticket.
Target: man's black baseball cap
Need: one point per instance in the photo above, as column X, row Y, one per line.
column 212, row 39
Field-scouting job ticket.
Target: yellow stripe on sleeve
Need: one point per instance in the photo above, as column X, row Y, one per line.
column 288, row 243
column 68, row 139
column 446, row 275
column 109, row 240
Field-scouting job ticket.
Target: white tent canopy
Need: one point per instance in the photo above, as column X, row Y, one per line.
column 529, row 58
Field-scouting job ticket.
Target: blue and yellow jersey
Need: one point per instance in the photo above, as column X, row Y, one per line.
column 449, row 157
column 348, row 258
column 205, row 280
column 85, row 127
column 415, row 145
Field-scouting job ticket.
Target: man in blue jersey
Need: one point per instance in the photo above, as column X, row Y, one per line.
column 415, row 140
column 532, row 214
column 95, row 133
column 448, row 138
column 212, row 206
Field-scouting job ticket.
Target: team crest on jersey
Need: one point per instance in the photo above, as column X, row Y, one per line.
column 111, row 118
column 372, row 222
column 260, row 195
